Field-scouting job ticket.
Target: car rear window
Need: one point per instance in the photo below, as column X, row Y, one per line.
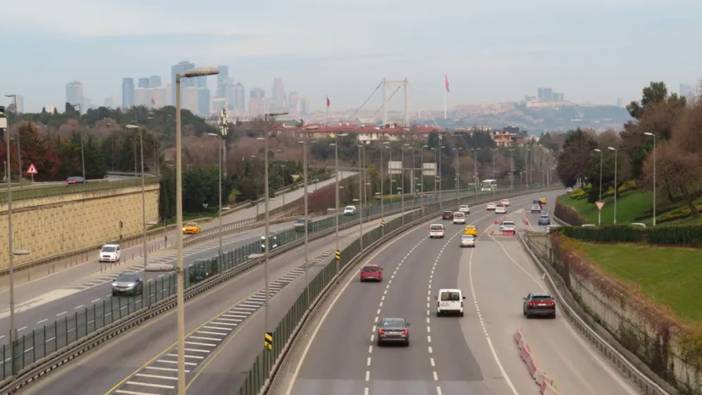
column 508, row 223
column 437, row 227
column 370, row 269
column 450, row 296
column 541, row 296
column 393, row 322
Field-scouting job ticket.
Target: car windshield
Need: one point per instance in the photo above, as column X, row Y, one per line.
column 127, row 277
column 109, row 249
column 393, row 322
column 450, row 296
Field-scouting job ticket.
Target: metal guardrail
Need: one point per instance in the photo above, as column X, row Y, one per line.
column 648, row 385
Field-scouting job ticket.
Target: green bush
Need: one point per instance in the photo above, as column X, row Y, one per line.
column 687, row 235
column 609, row 234
column 568, row 214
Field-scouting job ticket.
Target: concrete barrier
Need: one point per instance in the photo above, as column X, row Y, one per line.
column 545, row 384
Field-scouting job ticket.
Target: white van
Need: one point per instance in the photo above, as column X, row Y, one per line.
column 459, row 217
column 449, row 301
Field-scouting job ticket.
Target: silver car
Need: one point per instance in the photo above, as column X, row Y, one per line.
column 128, row 283
column 467, row 241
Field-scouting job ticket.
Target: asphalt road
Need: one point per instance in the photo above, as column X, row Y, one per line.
column 474, row 354
column 125, row 359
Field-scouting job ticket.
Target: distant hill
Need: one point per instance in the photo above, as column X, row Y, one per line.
column 538, row 116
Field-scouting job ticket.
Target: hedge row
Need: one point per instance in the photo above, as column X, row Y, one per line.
column 688, row 235
column 568, row 214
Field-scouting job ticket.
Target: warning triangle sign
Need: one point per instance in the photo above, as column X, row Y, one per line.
column 32, row 169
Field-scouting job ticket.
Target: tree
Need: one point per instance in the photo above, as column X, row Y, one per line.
column 678, row 175
column 574, row 160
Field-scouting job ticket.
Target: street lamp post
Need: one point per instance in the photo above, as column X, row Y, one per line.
column 654, row 174
column 458, row 182
column 336, row 181
column 306, row 214
column 360, row 196
column 475, row 172
column 143, row 192
column 383, row 147
column 180, row 288
column 440, row 152
column 11, row 265
column 615, row 181
column 19, row 148
column 511, row 169
column 599, row 211
column 402, row 181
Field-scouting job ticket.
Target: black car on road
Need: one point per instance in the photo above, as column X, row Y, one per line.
column 128, row 283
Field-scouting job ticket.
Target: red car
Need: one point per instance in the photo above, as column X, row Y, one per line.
column 539, row 304
column 372, row 273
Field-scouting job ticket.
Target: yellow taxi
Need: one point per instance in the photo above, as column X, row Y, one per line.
column 470, row 230
column 191, row 229
column 542, row 200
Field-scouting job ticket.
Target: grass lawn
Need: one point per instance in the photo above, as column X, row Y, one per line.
column 671, row 276
column 632, row 206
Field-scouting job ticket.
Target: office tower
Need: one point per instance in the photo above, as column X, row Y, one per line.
column 222, row 80
column 257, row 102
column 189, row 98
column 218, row 103
column 177, row 69
column 74, row 95
column 155, row 81
column 158, row 97
column 127, row 93
column 278, row 101
column 16, row 105
column 143, row 83
column 545, row 94
column 238, row 103
column 294, row 104
column 304, row 106
column 203, row 101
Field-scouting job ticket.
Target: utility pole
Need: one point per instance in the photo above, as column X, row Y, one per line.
column 360, row 191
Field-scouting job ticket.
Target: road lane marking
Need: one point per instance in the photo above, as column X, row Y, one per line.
column 61, row 314
column 367, row 375
column 438, row 390
column 482, row 324
column 157, row 376
column 134, row 392
column 368, row 361
column 431, row 361
column 138, row 383
column 21, row 329
column 431, row 350
column 163, row 370
column 436, row 377
column 42, row 321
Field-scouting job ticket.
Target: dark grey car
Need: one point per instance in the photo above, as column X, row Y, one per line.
column 393, row 330
column 128, row 283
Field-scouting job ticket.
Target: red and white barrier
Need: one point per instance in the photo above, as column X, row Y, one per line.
column 545, row 384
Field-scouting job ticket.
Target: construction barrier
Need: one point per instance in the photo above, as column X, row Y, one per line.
column 545, row 384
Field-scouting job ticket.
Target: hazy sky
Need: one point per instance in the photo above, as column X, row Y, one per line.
column 497, row 50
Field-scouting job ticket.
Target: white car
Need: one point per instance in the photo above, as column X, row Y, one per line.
column 459, row 217
column 467, row 241
column 436, row 230
column 464, row 208
column 500, row 209
column 490, row 206
column 504, row 202
column 110, row 253
column 508, row 227
column 350, row 210
column 449, row 301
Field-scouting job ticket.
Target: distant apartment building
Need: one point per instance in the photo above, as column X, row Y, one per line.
column 222, row 81
column 507, row 137
column 143, row 83
column 74, row 95
column 155, row 81
column 177, row 69
column 238, row 102
column 16, row 105
column 127, row 93
column 547, row 94
column 278, row 99
column 257, row 102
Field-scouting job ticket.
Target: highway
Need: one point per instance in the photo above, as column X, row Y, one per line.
column 474, row 354
column 147, row 351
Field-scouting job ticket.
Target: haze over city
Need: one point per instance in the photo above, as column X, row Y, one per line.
column 594, row 52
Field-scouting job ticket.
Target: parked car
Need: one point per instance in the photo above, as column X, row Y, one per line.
column 505, row 202
column 449, row 301
column 436, row 230
column 75, row 180
column 535, row 208
column 191, row 229
column 544, row 219
column 371, row 272
column 110, row 253
column 500, row 209
column 128, row 283
column 393, row 330
column 464, row 208
column 490, row 206
column 467, row 241
column 447, row 215
column 471, row 230
column 539, row 304
column 508, row 227
column 459, row 218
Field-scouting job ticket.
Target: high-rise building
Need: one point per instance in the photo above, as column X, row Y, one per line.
column 304, row 106
column 257, row 102
column 222, row 80
column 74, row 95
column 143, row 83
column 177, row 69
column 238, row 102
column 127, row 93
column 545, row 94
column 203, row 101
column 218, row 103
column 278, row 100
column 155, row 81
column 16, row 105
column 294, row 104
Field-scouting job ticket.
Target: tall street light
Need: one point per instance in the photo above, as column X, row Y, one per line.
column 599, row 212
column 383, row 146
column 143, row 191
column 19, row 149
column 222, row 135
column 458, row 180
column 440, row 152
column 475, row 172
column 654, row 174
column 402, row 180
column 511, row 169
column 336, row 181
column 615, row 181
column 360, row 189
column 10, row 252
column 304, row 178
column 180, row 288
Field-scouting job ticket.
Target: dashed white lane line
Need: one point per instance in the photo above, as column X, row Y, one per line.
column 42, row 321
column 482, row 324
column 431, row 361
column 368, row 361
column 436, row 376
column 367, row 375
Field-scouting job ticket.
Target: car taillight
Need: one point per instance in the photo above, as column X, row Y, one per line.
column 381, row 331
column 405, row 332
column 532, row 303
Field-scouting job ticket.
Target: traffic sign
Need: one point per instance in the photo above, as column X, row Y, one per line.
column 599, row 204
column 32, row 169
column 268, row 341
